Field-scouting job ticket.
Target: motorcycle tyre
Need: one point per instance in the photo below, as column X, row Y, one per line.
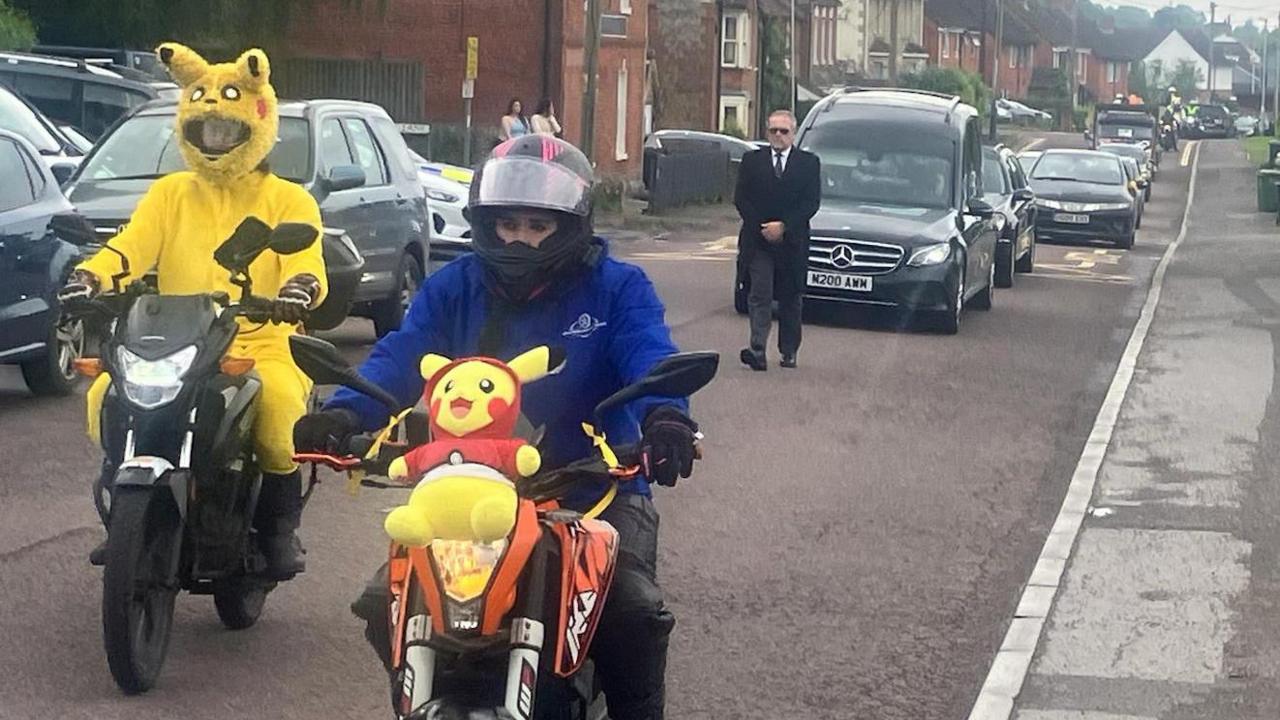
column 136, row 548
column 240, row 601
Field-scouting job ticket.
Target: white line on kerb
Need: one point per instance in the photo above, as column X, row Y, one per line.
column 1013, row 660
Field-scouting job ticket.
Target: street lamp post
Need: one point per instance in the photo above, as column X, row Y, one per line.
column 793, row 56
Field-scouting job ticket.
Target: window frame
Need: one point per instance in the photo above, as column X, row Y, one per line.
column 323, row 162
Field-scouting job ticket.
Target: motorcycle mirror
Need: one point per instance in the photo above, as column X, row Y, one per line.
column 291, row 238
column 73, row 228
column 244, row 246
column 322, row 362
column 678, row 375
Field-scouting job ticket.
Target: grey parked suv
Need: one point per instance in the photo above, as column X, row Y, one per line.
column 348, row 154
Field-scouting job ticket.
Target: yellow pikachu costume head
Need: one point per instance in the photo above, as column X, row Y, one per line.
column 227, row 115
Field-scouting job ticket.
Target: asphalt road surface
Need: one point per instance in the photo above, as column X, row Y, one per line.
column 850, row 547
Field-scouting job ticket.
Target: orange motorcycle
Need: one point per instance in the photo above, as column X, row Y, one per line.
column 500, row 629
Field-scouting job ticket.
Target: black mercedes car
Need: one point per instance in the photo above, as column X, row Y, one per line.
column 1005, row 187
column 903, row 222
column 1083, row 195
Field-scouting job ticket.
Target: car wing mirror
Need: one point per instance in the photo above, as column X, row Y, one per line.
column 1024, row 195
column 678, row 375
column 344, row 177
column 322, row 362
column 73, row 228
column 981, row 208
column 62, row 172
column 249, row 240
column 291, row 238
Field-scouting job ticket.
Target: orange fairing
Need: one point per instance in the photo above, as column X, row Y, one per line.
column 588, row 551
column 398, row 582
column 501, row 596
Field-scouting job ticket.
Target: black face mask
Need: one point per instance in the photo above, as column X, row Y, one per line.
column 520, row 272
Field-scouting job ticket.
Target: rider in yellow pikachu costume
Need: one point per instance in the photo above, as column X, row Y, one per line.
column 227, row 124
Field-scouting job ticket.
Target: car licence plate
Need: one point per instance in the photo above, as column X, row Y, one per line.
column 1071, row 219
column 839, row 281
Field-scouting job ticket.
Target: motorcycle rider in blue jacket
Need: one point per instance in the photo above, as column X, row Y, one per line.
column 538, row 276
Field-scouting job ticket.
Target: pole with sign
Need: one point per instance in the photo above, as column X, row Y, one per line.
column 469, row 93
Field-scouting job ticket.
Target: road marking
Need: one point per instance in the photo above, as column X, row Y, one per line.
column 1032, row 145
column 1012, row 662
column 1186, row 152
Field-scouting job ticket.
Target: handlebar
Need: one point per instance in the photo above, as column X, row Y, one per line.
column 108, row 306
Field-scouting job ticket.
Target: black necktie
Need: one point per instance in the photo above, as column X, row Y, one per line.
column 777, row 163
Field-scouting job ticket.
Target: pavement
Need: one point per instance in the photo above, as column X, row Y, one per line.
column 857, row 538
column 1168, row 606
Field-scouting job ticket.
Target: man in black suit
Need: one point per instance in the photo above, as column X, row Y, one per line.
column 779, row 190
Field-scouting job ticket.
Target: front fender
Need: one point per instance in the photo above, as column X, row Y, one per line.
column 159, row 474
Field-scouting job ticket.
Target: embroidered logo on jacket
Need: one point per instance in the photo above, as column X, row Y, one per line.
column 584, row 327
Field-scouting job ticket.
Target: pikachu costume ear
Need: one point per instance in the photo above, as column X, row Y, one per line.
column 254, row 69
column 185, row 65
column 432, row 364
column 537, row 363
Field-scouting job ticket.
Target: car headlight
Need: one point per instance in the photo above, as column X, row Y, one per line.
column 1050, row 204
column 930, row 255
column 442, row 196
column 1101, row 207
column 152, row 383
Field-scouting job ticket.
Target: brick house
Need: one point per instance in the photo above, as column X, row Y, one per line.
column 684, row 60
column 960, row 34
column 527, row 50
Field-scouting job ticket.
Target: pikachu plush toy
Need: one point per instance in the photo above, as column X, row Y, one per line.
column 466, row 474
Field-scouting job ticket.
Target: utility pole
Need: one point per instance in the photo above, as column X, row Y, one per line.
column 1075, row 82
column 794, row 68
column 592, row 62
column 995, row 67
column 1275, row 101
column 893, row 43
column 1266, row 35
column 1213, row 7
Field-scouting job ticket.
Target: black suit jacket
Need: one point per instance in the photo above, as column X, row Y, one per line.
column 794, row 198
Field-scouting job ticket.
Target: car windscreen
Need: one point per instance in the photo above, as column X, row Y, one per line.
column 146, row 146
column 882, row 163
column 992, row 177
column 16, row 117
column 1099, row 169
column 1128, row 151
column 1124, row 131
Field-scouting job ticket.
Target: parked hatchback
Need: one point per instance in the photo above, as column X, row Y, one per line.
column 59, row 148
column 33, row 265
column 1084, row 194
column 903, row 223
column 349, row 155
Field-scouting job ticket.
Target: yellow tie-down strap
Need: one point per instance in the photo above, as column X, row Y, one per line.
column 356, row 476
column 611, row 460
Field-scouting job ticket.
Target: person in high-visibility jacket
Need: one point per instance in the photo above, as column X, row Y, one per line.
column 227, row 123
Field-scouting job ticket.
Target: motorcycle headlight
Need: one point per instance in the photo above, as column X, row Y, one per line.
column 465, row 568
column 442, row 196
column 930, row 255
column 152, row 383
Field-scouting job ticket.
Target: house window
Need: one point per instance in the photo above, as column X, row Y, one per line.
column 1013, row 56
column 733, row 51
column 620, row 132
column 1082, row 66
column 733, row 115
column 943, row 49
column 1111, row 72
column 613, row 26
column 624, row 7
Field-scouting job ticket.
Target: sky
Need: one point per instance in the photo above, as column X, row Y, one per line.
column 1239, row 10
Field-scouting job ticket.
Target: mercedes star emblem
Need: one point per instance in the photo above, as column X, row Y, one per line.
column 842, row 256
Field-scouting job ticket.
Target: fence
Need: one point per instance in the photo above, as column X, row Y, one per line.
column 701, row 176
column 395, row 85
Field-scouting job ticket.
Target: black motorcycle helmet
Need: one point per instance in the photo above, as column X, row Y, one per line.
column 532, row 172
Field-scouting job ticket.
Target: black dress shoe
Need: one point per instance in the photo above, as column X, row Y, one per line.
column 753, row 360
column 788, row 361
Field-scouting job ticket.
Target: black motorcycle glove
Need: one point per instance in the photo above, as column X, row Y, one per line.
column 667, row 445
column 82, row 285
column 295, row 299
column 326, row 431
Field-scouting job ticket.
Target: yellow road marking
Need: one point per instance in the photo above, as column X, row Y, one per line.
column 1186, row 153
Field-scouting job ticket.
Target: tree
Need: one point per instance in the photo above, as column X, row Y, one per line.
column 1180, row 17
column 775, row 76
column 951, row 81
column 16, row 30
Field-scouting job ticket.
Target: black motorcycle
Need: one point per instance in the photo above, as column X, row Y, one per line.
column 180, row 484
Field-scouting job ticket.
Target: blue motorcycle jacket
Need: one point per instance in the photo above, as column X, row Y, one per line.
column 608, row 320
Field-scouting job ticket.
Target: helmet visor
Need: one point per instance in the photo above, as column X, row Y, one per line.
column 529, row 182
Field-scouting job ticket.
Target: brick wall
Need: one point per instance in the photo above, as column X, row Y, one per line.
column 511, row 58
column 682, row 40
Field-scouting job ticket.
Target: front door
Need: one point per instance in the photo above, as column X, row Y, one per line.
column 23, row 308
